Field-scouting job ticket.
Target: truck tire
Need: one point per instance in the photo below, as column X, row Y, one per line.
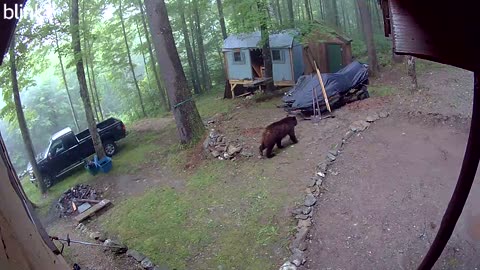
column 110, row 148
column 48, row 180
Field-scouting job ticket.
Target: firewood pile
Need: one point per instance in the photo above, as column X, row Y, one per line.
column 218, row 146
column 77, row 198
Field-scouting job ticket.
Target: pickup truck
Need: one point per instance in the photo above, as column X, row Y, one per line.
column 67, row 151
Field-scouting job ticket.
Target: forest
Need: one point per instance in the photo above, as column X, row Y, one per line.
column 125, row 78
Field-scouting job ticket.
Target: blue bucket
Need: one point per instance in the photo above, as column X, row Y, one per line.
column 105, row 164
column 92, row 166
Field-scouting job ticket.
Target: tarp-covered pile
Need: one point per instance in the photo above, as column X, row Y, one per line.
column 345, row 86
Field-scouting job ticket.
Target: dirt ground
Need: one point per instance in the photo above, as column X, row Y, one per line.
column 380, row 212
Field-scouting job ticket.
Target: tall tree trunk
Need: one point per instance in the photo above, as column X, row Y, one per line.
column 206, row 82
column 368, row 32
column 22, row 123
column 344, row 17
column 90, row 57
column 411, row 70
column 130, row 63
column 307, row 10
column 311, row 9
column 358, row 19
column 279, row 11
column 85, row 56
column 160, row 86
column 77, row 52
column 147, row 75
column 221, row 18
column 332, row 13
column 291, row 16
column 187, row 118
column 192, row 64
column 265, row 39
column 64, row 77
column 322, row 13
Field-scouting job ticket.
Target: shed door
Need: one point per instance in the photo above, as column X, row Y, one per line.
column 334, row 56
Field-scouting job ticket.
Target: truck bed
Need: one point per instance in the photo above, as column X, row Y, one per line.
column 100, row 126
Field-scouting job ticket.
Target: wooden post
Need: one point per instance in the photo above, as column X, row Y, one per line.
column 323, row 87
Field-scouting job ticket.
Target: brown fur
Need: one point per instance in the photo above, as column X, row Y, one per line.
column 274, row 134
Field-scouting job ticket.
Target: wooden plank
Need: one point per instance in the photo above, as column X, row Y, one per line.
column 325, row 97
column 94, row 209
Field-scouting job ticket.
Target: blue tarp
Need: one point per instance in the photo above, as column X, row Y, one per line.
column 300, row 96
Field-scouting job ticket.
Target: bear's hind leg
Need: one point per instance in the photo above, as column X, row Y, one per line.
column 261, row 148
column 279, row 143
column 292, row 136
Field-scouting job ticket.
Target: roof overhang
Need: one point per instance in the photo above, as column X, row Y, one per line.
column 7, row 25
column 437, row 30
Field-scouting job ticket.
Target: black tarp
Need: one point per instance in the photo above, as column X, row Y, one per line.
column 300, row 97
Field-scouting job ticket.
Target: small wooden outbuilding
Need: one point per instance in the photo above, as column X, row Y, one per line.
column 244, row 61
column 329, row 49
column 293, row 55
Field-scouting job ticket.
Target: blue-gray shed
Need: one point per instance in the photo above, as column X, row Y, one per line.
column 244, row 61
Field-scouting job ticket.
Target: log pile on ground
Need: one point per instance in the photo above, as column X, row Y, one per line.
column 75, row 196
column 218, row 146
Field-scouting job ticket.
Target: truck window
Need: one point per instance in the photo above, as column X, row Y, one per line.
column 56, row 148
column 69, row 141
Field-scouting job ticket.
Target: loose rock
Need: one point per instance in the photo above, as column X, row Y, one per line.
column 383, row 114
column 297, row 211
column 232, row 150
column 304, row 223
column 322, row 167
column 147, row 264
column 115, row 247
column 348, row 135
column 300, row 237
column 306, row 210
column 372, row 118
column 95, row 235
column 333, row 152
column 215, row 153
column 310, row 200
column 359, row 125
column 302, row 216
column 298, row 257
column 331, row 157
column 288, row 266
column 312, row 182
column 136, row 255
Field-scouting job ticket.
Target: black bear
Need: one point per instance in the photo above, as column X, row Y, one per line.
column 275, row 132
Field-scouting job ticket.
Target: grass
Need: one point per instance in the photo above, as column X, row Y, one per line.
column 213, row 103
column 380, row 90
column 217, row 220
column 133, row 153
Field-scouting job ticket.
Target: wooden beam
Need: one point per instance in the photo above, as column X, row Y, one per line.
column 94, row 209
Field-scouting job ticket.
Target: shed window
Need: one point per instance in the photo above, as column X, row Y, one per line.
column 278, row 56
column 238, row 58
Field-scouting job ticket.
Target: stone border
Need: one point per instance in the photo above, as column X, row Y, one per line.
column 304, row 213
column 118, row 248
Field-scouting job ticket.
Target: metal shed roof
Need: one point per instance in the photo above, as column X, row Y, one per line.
column 251, row 40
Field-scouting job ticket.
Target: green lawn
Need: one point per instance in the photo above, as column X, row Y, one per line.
column 229, row 221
